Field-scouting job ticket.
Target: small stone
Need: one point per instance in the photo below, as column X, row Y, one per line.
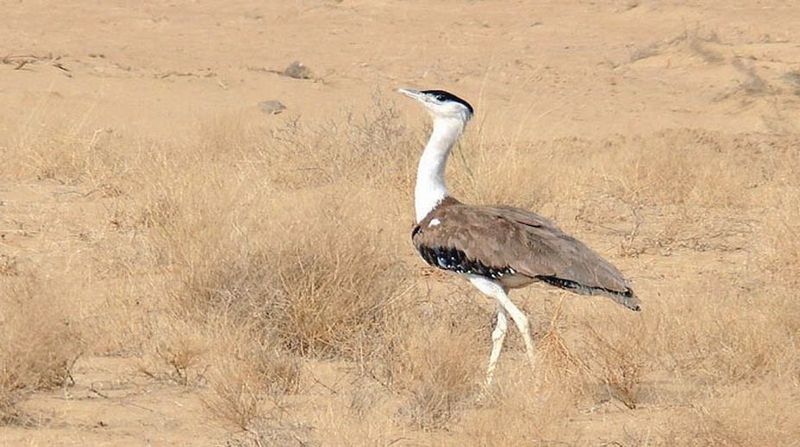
column 297, row 70
column 273, row 107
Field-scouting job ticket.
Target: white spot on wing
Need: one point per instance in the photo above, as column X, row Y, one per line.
column 434, row 222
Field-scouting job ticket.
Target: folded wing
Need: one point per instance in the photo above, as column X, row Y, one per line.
column 511, row 245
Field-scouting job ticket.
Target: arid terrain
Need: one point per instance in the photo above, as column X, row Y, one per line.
column 185, row 262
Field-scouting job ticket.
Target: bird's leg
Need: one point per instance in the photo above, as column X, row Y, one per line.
column 498, row 292
column 498, row 336
column 520, row 320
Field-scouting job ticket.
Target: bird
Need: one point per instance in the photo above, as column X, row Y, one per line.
column 497, row 248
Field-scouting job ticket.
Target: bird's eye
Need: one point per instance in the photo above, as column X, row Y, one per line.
column 441, row 98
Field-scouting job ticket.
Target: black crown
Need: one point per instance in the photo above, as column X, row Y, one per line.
column 442, row 95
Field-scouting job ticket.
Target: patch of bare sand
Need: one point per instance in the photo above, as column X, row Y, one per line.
column 112, row 403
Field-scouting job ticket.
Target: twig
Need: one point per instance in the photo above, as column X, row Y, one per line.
column 61, row 66
column 95, row 391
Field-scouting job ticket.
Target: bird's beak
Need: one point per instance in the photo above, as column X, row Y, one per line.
column 411, row 93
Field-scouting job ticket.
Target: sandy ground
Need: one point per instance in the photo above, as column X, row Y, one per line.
column 152, row 71
column 585, row 68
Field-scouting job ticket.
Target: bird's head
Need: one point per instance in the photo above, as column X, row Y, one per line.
column 441, row 104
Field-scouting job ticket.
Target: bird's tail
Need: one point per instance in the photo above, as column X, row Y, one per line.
column 627, row 299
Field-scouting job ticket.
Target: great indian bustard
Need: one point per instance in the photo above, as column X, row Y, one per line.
column 497, row 248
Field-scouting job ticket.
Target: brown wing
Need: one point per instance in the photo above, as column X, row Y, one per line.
column 503, row 241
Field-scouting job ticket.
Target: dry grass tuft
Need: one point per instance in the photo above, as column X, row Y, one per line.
column 440, row 370
column 311, row 268
column 68, row 155
column 618, row 363
column 608, row 362
column 38, row 346
column 375, row 149
column 323, row 295
column 557, row 363
column 334, row 296
column 249, row 379
column 178, row 352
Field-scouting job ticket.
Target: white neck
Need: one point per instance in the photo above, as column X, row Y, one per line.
column 430, row 189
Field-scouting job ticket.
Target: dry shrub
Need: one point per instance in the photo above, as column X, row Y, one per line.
column 375, row 149
column 321, row 290
column 178, row 351
column 745, row 345
column 248, row 391
column 324, row 294
column 38, row 346
column 181, row 357
column 432, row 354
column 335, row 295
column 312, row 267
column 560, row 372
column 238, row 396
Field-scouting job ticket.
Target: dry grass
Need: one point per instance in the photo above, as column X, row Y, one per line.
column 659, row 170
column 300, row 290
column 783, row 240
column 270, row 250
column 438, row 366
column 248, row 378
column 319, row 294
column 38, row 346
column 68, row 154
column 373, row 149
